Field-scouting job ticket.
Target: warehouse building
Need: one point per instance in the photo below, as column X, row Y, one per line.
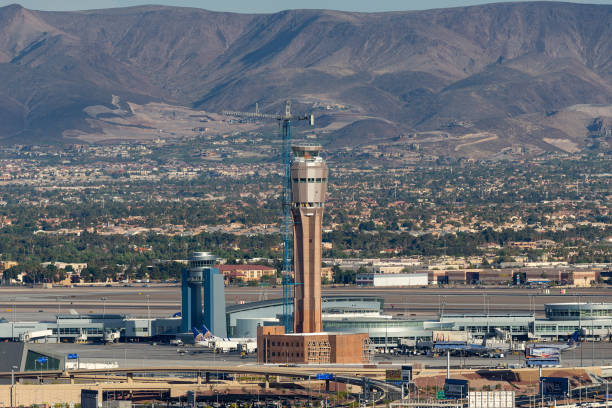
column 563, row 276
column 386, row 280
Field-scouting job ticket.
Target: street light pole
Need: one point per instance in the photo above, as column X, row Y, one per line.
column 14, row 320
column 13, row 368
column 103, row 307
column 592, row 340
column 148, row 309
column 59, row 312
column 309, row 393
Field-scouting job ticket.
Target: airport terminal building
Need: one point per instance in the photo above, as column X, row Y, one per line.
column 341, row 314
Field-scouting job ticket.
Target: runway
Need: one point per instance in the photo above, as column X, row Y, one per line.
column 33, row 304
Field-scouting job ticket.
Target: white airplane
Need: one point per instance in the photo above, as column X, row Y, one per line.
column 202, row 338
column 224, row 344
column 551, row 350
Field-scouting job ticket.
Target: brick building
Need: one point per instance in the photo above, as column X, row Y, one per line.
column 246, row 273
column 327, row 273
column 274, row 346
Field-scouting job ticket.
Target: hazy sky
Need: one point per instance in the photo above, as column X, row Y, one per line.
column 261, row 6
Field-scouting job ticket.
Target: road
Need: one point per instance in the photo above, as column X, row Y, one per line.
column 25, row 304
column 145, row 354
column 593, row 354
column 148, row 355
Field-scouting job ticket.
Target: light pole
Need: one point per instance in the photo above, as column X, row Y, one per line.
column 386, row 336
column 59, row 311
column 13, row 368
column 14, row 319
column 541, row 388
column 484, row 303
column 148, row 308
column 103, row 307
column 592, row 339
column 309, row 393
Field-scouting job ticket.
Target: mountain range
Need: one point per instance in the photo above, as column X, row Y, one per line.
column 467, row 81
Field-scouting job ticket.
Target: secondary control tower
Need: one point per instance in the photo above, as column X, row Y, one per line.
column 202, row 278
column 308, row 188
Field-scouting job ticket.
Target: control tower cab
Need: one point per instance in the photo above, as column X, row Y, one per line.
column 308, row 176
column 198, row 263
column 308, row 188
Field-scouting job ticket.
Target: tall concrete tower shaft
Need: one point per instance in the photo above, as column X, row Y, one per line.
column 308, row 188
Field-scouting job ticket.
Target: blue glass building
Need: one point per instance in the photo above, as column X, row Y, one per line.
column 203, row 295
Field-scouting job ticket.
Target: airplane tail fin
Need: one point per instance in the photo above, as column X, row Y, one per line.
column 197, row 335
column 205, row 332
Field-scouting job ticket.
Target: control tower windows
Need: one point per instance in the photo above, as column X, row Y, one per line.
column 199, row 264
column 310, row 180
column 307, row 154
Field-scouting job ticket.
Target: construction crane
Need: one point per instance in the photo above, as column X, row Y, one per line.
column 284, row 122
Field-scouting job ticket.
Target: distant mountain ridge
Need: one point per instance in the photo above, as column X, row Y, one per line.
column 512, row 69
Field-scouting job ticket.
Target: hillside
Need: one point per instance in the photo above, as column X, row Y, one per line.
column 515, row 70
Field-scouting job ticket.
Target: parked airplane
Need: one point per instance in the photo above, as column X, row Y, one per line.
column 467, row 348
column 223, row 344
column 569, row 345
column 545, row 350
column 202, row 338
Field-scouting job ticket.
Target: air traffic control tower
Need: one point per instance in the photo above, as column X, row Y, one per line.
column 308, row 188
column 308, row 344
column 202, row 278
